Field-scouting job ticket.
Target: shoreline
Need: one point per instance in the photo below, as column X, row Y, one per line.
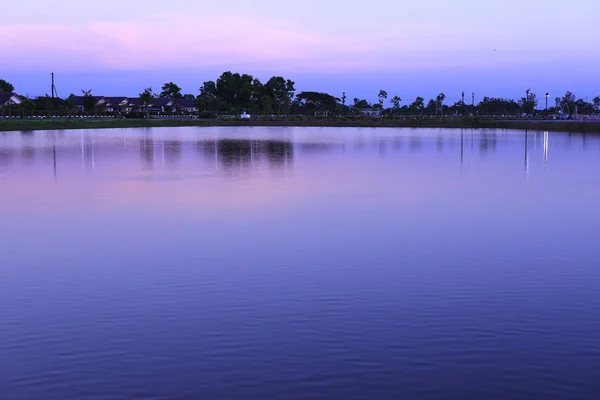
column 11, row 125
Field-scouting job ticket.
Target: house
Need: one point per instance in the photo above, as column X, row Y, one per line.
column 99, row 102
column 187, row 105
column 369, row 112
column 115, row 104
column 8, row 99
column 129, row 104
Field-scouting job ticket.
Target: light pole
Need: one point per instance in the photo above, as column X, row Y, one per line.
column 547, row 97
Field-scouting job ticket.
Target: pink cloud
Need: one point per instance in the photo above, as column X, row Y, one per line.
column 178, row 40
column 167, row 40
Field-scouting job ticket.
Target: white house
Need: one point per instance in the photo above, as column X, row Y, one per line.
column 8, row 99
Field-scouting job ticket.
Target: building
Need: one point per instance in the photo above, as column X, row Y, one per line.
column 370, row 112
column 128, row 104
column 187, row 105
column 8, row 99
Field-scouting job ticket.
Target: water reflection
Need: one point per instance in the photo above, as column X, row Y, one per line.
column 546, row 140
column 488, row 141
column 239, row 157
column 88, row 153
column 172, row 152
column 279, row 266
column 147, row 153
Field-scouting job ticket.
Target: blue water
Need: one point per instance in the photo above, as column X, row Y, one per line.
column 299, row 263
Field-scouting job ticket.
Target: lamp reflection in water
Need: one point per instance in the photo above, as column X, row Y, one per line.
column 526, row 156
column 545, row 150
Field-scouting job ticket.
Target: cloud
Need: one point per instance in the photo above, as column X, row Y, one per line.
column 177, row 40
column 171, row 40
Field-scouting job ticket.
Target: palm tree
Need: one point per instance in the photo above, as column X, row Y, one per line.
column 382, row 96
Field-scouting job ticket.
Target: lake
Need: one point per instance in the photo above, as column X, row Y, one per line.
column 299, row 263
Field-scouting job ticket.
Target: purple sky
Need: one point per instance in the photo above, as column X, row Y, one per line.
column 116, row 47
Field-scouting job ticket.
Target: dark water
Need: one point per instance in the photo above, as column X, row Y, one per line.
column 299, row 263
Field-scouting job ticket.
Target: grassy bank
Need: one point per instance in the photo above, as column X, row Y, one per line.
column 467, row 123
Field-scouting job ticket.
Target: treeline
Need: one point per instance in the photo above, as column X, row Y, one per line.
column 234, row 93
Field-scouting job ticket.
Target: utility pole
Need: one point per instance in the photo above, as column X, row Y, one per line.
column 52, row 88
column 473, row 99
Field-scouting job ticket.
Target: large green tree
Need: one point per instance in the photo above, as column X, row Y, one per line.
column 207, row 99
column 6, row 87
column 495, row 106
column 234, row 91
column 171, row 91
column 282, row 93
column 317, row 102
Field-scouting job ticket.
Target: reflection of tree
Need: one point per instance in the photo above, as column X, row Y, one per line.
column 88, row 152
column 209, row 149
column 320, row 147
column 415, row 143
column 279, row 153
column 27, row 149
column 6, row 157
column 235, row 154
column 147, row 152
column 487, row 141
column 172, row 152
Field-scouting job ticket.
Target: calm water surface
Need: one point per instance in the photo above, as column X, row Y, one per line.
column 295, row 263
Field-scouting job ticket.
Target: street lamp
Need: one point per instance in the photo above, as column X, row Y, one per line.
column 547, row 97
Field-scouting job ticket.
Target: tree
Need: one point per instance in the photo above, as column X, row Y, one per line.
column 188, row 96
column 146, row 98
column 568, row 101
column 583, row 107
column 70, row 104
column 457, row 108
column 171, row 91
column 382, row 96
column 6, row 87
column 597, row 103
column 395, row 103
column 431, row 108
column 207, row 100
column 27, row 107
column 529, row 102
column 439, row 100
column 317, row 102
column 418, row 105
column 281, row 91
column 497, row 106
column 88, row 100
